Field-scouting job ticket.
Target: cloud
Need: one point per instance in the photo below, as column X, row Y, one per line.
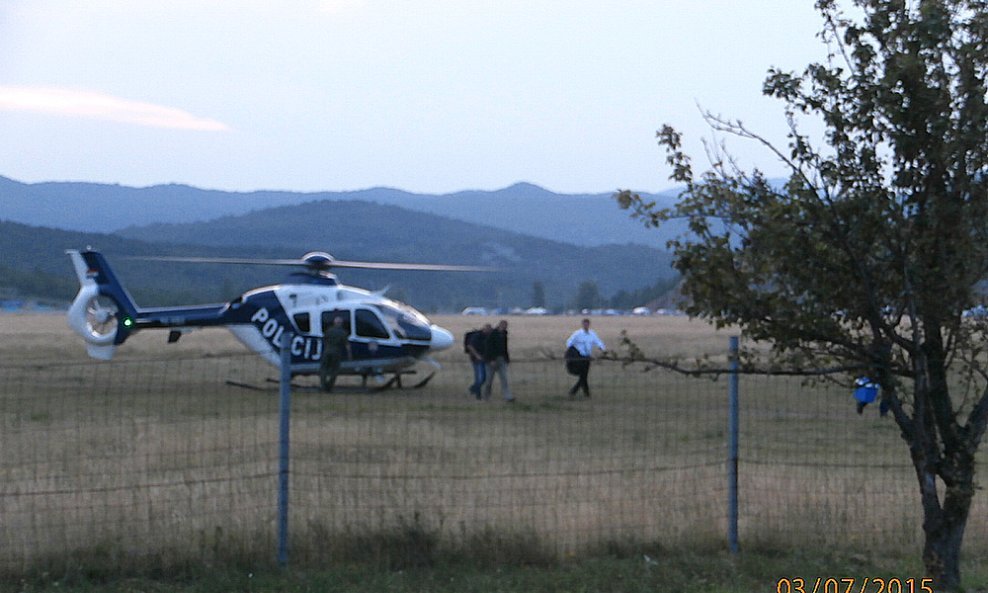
column 94, row 105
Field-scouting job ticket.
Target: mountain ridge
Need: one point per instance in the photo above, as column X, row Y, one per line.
column 395, row 226
column 579, row 219
column 521, row 261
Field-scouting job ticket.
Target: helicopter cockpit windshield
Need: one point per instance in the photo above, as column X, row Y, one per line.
column 406, row 323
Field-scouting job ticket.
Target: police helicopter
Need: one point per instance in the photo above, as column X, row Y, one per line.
column 386, row 337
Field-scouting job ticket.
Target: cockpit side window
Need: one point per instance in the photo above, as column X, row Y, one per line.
column 369, row 326
column 328, row 316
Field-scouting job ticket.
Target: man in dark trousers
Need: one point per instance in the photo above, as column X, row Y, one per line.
column 476, row 345
column 335, row 342
column 496, row 356
column 584, row 340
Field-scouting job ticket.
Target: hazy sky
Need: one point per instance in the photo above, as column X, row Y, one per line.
column 428, row 96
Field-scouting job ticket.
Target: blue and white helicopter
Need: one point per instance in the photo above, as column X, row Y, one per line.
column 386, row 337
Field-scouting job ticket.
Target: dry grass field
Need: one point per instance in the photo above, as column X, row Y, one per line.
column 156, row 456
column 46, row 338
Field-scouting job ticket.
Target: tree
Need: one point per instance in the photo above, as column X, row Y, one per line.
column 643, row 296
column 587, row 295
column 874, row 246
column 538, row 294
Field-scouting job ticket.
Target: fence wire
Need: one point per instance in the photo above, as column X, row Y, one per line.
column 176, row 459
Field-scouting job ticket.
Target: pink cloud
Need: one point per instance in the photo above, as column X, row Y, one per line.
column 94, row 105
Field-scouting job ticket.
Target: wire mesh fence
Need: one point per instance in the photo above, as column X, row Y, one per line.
column 136, row 459
column 177, row 459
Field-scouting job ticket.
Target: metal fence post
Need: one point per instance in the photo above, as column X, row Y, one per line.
column 732, row 449
column 284, row 415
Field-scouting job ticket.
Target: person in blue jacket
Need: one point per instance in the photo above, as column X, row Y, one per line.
column 865, row 392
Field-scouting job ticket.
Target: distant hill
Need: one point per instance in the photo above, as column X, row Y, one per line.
column 364, row 230
column 33, row 264
column 102, row 208
column 349, row 230
column 531, row 235
column 580, row 219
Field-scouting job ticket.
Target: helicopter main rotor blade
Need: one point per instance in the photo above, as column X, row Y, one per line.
column 219, row 260
column 334, row 263
column 407, row 266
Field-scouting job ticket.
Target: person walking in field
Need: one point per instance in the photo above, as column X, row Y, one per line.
column 583, row 341
column 475, row 344
column 335, row 342
column 496, row 356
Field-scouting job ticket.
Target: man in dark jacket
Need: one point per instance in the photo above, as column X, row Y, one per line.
column 496, row 356
column 475, row 345
column 335, row 344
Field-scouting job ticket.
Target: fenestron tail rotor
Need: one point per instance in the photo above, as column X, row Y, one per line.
column 101, row 317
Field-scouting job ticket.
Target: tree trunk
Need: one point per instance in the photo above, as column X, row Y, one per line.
column 939, row 449
column 943, row 523
column 943, row 528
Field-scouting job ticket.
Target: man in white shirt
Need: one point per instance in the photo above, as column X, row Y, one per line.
column 584, row 340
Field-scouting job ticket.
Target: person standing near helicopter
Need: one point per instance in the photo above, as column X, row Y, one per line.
column 335, row 341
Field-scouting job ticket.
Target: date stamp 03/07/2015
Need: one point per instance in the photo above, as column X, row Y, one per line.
column 853, row 585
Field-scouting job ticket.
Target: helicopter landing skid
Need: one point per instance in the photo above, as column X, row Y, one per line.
column 423, row 382
column 246, row 386
column 393, row 383
column 272, row 389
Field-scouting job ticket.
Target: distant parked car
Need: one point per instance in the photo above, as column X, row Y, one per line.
column 474, row 311
column 536, row 311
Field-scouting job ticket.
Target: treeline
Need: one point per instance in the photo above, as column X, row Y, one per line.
column 588, row 295
column 36, row 284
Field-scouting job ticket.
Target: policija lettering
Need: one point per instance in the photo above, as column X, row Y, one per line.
column 304, row 347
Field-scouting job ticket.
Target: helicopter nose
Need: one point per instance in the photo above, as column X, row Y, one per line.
column 441, row 338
